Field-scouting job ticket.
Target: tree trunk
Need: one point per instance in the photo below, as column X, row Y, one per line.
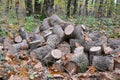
column 68, row 8
column 37, row 7
column 75, row 7
column 48, row 7
column 29, row 7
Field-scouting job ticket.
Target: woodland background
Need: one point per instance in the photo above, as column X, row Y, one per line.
column 96, row 14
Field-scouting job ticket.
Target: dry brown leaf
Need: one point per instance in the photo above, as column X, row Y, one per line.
column 87, row 38
column 91, row 70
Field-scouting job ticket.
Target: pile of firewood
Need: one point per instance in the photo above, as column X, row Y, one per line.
column 66, row 47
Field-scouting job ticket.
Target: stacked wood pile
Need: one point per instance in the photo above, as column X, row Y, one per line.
column 67, row 47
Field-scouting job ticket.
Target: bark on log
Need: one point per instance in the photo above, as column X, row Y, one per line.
column 94, row 35
column 54, row 54
column 23, row 45
column 94, row 51
column 55, row 20
column 114, row 43
column 41, row 52
column 58, row 31
column 18, row 39
column 23, row 33
column 69, row 30
column 103, row 63
column 37, row 41
column 79, row 34
column 64, row 47
column 53, row 40
column 80, row 58
column 45, row 24
column 72, row 43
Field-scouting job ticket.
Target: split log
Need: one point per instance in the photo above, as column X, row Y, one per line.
column 45, row 24
column 114, row 43
column 54, row 54
column 23, row 33
column 64, row 47
column 46, row 33
column 69, row 30
column 23, row 45
column 72, row 43
column 58, row 31
column 18, row 39
column 55, row 20
column 79, row 34
column 94, row 51
column 53, row 40
column 41, row 52
column 103, row 63
column 80, row 58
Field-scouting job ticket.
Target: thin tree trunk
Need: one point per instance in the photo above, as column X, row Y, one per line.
column 48, row 7
column 29, row 8
column 68, row 8
column 37, row 7
column 75, row 7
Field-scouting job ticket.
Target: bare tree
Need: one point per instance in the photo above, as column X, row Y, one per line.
column 29, row 7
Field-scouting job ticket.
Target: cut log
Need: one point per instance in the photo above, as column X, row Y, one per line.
column 64, row 47
column 54, row 54
column 94, row 35
column 37, row 30
column 41, row 52
column 114, row 43
column 65, row 24
column 55, row 20
column 79, row 34
column 72, row 43
column 23, row 33
column 45, row 24
column 53, row 40
column 80, row 58
column 57, row 54
column 58, row 31
column 103, row 63
column 69, row 29
column 18, row 39
column 116, row 51
column 94, row 51
column 35, row 44
column 71, row 67
column 38, row 37
column 23, row 45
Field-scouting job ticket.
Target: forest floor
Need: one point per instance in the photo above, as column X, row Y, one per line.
column 24, row 56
